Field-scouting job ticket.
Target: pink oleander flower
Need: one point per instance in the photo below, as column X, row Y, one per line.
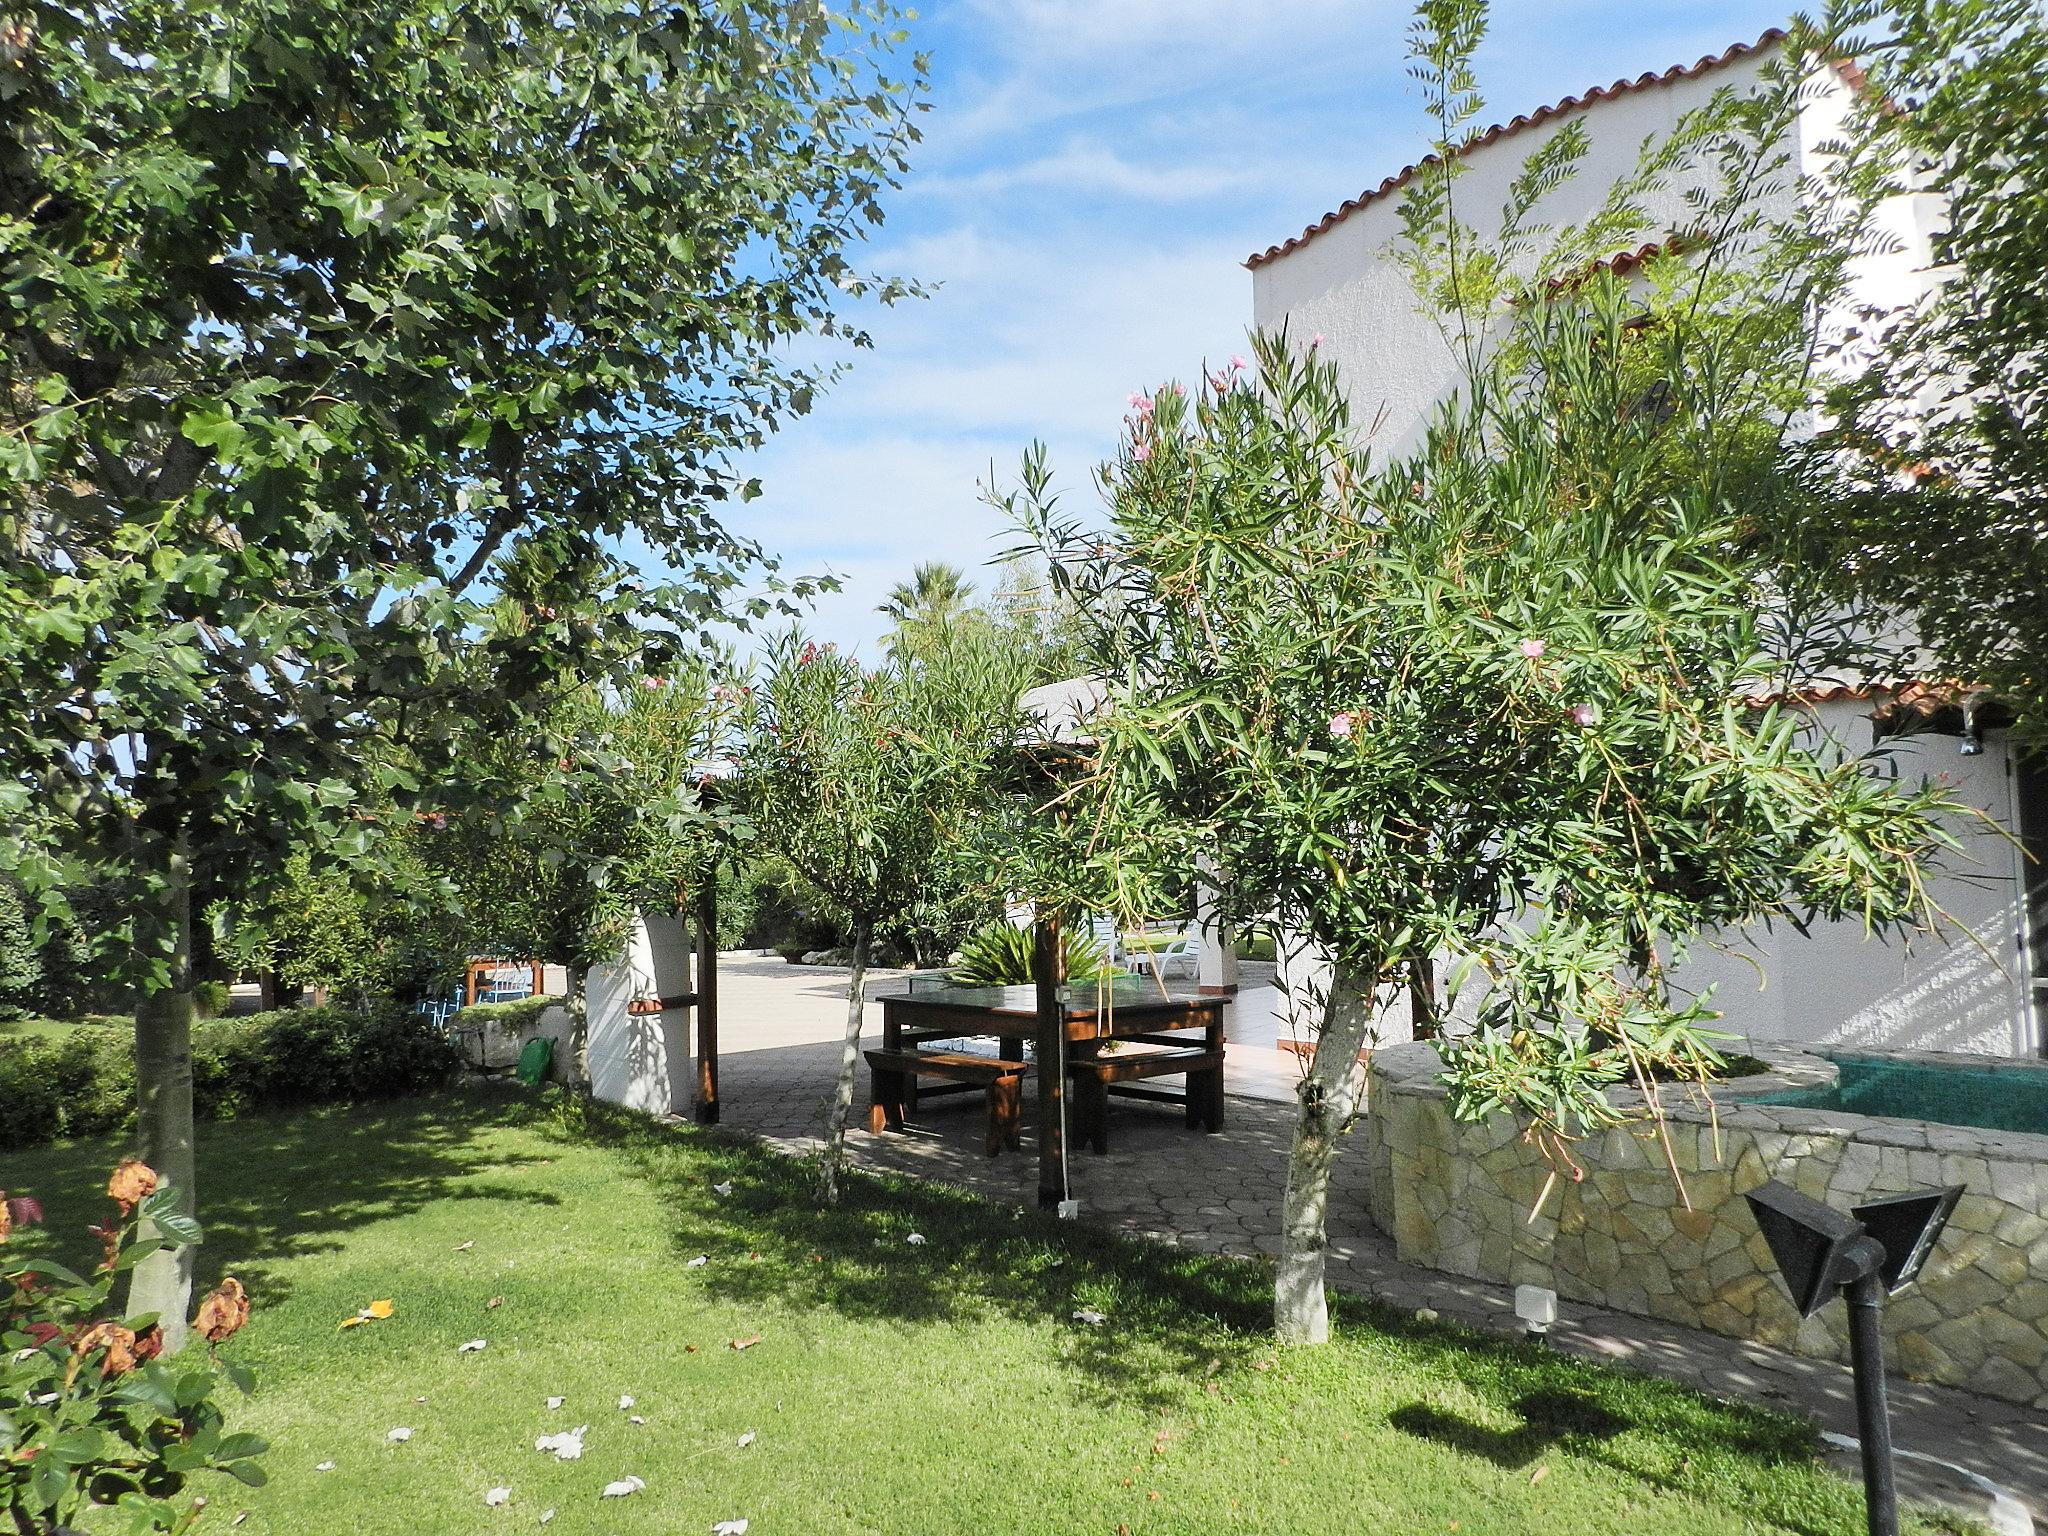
column 1585, row 714
column 1316, row 340
column 1237, row 365
column 651, row 682
column 1141, row 403
column 1141, row 451
column 1340, row 725
column 1533, row 649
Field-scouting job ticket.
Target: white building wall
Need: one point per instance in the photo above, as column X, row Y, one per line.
column 1392, row 358
column 1964, row 991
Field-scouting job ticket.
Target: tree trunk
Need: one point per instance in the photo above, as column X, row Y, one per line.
column 162, row 1283
column 1330, row 1098
column 849, row 1063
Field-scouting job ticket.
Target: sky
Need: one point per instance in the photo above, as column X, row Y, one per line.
column 1093, row 174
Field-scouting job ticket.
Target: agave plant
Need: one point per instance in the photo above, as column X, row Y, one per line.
column 1000, row 956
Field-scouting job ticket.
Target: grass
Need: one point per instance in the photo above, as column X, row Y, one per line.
column 52, row 1029
column 897, row 1387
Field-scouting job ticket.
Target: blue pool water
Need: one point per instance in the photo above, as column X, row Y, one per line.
column 1989, row 1097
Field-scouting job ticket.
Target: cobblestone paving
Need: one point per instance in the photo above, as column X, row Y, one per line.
column 1222, row 1193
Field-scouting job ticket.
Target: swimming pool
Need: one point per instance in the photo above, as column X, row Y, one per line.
column 1992, row 1096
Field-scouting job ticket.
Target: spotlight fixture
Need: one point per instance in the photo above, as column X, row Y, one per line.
column 1881, row 1249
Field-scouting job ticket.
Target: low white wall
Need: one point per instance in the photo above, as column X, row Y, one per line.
column 642, row 1060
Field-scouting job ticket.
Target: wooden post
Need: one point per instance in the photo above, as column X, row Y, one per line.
column 706, row 920
column 1049, row 975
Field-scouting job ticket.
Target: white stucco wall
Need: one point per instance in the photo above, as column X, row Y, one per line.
column 1345, row 284
column 642, row 1060
column 1960, row 990
column 1964, row 991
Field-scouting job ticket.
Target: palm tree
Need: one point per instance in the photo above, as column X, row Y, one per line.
column 935, row 593
column 934, row 600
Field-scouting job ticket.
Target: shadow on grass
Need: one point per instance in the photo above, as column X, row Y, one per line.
column 275, row 1187
column 1173, row 1319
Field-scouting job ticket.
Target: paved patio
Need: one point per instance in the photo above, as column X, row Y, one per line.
column 1222, row 1194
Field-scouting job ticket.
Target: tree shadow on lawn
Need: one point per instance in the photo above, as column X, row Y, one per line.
column 277, row 1186
column 1173, row 1319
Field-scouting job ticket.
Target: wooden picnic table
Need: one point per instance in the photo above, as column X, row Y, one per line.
column 1069, row 1034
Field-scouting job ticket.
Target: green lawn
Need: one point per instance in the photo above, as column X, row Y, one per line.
column 51, row 1029
column 917, row 1388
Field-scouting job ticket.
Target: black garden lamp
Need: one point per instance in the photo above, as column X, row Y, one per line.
column 1876, row 1252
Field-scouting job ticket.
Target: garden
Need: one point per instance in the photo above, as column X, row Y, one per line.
column 381, row 382
column 912, row 1359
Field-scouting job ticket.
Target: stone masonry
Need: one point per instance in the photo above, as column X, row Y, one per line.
column 1478, row 1200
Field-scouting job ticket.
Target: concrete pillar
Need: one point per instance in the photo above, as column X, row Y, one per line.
column 1219, row 945
column 640, row 1046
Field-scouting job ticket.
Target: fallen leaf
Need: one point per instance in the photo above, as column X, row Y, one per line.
column 398, row 1436
column 729, row 1528
column 625, row 1401
column 698, row 1262
column 689, row 1349
column 419, row 1399
column 546, row 1515
column 496, row 1496
column 1538, row 1475
column 625, row 1487
column 1152, row 1496
column 494, row 1303
column 239, row 1518
column 634, row 1418
column 916, row 1239
column 380, row 1309
column 556, row 1402
column 464, row 1248
column 747, row 1343
column 325, row 1466
column 1091, row 1317
column 567, row 1445
column 472, row 1347
column 746, row 1440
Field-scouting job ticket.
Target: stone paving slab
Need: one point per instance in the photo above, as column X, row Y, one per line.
column 1221, row 1194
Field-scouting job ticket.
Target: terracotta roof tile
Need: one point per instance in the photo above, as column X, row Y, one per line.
column 1499, row 131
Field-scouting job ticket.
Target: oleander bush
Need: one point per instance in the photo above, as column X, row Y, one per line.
column 83, row 1083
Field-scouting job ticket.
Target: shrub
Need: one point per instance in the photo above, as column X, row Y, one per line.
column 210, row 999
column 93, row 1417
column 1000, row 956
column 511, row 1018
column 83, row 1084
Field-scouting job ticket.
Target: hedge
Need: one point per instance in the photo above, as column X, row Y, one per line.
column 83, row 1084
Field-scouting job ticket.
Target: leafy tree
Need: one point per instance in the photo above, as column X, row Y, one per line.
column 874, row 786
column 21, row 968
column 1945, row 423
column 620, row 817
column 1479, row 707
column 327, row 327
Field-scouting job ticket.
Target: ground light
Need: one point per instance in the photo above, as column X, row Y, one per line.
column 1877, row 1251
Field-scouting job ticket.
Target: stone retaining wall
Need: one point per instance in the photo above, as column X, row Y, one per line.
column 1459, row 1198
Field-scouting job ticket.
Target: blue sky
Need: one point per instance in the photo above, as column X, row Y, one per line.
column 1093, row 174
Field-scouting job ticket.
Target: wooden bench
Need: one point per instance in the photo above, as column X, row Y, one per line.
column 1097, row 1076
column 895, row 1074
